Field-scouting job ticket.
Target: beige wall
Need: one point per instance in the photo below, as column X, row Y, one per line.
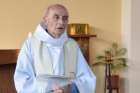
column 18, row 17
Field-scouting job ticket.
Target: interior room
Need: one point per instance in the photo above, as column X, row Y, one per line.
column 108, row 21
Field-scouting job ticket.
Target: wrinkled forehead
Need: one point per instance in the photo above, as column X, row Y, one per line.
column 58, row 10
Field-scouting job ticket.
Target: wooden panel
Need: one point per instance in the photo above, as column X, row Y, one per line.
column 84, row 45
column 8, row 56
column 6, row 78
column 83, row 41
column 7, row 67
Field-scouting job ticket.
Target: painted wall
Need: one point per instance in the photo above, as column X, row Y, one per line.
column 131, row 32
column 18, row 17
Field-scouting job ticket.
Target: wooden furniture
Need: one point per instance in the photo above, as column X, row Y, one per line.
column 7, row 67
column 115, row 83
column 81, row 33
column 83, row 41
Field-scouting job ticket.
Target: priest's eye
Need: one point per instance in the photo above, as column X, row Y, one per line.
column 56, row 17
column 65, row 18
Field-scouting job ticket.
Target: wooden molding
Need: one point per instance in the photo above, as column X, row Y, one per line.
column 82, row 36
column 8, row 56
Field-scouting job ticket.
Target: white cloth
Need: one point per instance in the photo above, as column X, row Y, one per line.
column 25, row 78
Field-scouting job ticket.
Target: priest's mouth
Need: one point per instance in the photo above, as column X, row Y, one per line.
column 60, row 28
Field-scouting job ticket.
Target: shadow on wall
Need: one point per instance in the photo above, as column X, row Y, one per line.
column 101, row 36
column 98, row 44
column 123, row 83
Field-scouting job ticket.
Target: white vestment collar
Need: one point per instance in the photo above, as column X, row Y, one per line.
column 42, row 56
column 42, row 35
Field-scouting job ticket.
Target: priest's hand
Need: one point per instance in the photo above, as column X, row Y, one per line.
column 64, row 89
column 58, row 90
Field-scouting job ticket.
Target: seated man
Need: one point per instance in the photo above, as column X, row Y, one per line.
column 50, row 53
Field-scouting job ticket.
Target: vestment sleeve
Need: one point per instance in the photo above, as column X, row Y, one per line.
column 85, row 78
column 24, row 76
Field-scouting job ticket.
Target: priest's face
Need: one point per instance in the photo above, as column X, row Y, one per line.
column 56, row 20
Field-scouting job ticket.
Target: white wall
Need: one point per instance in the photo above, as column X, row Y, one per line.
column 135, row 48
column 131, row 33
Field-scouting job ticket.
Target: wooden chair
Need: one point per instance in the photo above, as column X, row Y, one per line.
column 8, row 60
